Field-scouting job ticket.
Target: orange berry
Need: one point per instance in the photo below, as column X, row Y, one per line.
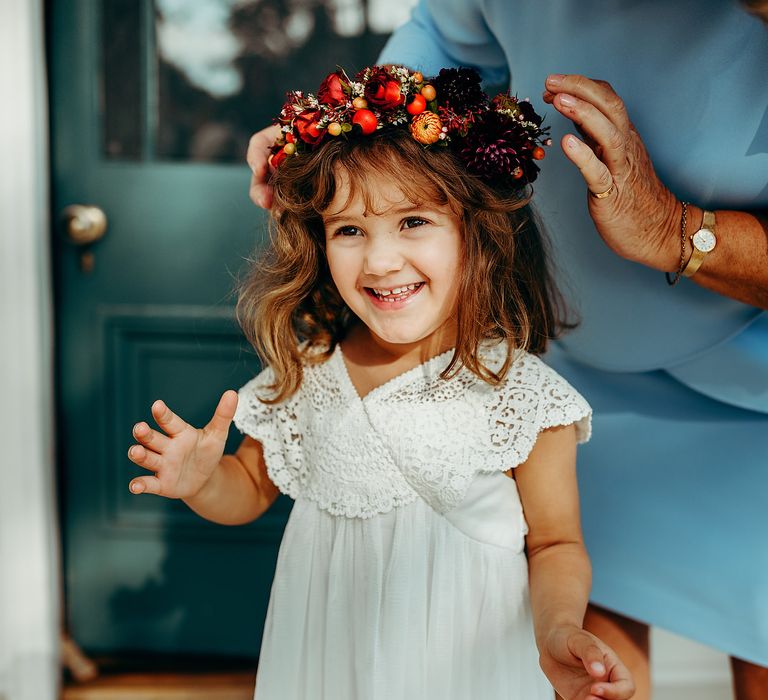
column 418, row 77
column 417, row 105
column 289, row 148
column 359, row 103
column 538, row 153
column 366, row 120
column 334, row 128
column 429, row 93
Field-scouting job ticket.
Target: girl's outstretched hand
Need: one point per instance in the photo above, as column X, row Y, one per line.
column 183, row 458
column 581, row 667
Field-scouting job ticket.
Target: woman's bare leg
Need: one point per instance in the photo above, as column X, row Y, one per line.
column 750, row 681
column 630, row 640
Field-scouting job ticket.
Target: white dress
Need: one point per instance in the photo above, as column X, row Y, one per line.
column 402, row 572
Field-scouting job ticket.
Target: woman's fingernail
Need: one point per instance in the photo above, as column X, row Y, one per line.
column 567, row 100
column 136, row 488
column 597, row 667
column 572, row 143
column 555, row 80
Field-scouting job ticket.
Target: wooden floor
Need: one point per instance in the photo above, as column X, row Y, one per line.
column 164, row 686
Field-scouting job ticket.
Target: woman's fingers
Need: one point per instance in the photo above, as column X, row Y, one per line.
column 167, row 419
column 596, row 92
column 595, row 173
column 594, row 124
column 258, row 160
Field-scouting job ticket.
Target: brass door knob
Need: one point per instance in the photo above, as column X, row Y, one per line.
column 84, row 223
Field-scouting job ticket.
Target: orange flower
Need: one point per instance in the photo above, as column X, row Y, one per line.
column 426, row 128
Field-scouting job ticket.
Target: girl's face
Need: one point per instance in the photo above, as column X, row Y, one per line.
column 396, row 266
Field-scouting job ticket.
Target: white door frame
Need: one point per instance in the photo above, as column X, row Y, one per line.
column 29, row 568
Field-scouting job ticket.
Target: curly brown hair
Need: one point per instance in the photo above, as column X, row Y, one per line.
column 291, row 311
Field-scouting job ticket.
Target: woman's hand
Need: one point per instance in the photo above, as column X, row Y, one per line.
column 581, row 667
column 184, row 458
column 640, row 218
column 257, row 157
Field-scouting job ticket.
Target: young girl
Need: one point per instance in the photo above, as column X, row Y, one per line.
column 434, row 547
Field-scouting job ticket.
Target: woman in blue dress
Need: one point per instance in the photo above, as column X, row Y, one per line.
column 674, row 483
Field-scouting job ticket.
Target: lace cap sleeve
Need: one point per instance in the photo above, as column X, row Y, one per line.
column 533, row 398
column 561, row 404
column 278, row 428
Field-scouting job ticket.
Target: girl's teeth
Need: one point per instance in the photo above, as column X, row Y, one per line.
column 385, row 293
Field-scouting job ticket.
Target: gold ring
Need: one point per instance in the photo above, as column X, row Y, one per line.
column 602, row 195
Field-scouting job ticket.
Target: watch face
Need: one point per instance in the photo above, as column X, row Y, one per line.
column 704, row 240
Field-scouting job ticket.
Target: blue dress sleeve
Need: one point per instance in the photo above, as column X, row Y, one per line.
column 445, row 34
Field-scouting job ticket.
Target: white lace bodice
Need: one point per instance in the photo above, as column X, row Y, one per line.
column 416, row 435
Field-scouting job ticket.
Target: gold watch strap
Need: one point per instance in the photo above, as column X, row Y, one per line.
column 697, row 257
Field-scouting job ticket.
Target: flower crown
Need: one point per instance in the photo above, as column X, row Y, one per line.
column 494, row 138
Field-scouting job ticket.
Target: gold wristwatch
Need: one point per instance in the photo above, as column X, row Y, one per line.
column 703, row 241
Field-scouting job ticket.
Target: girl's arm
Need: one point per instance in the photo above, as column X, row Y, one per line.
column 239, row 490
column 577, row 663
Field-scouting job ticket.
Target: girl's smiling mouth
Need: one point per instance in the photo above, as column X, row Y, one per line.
column 393, row 298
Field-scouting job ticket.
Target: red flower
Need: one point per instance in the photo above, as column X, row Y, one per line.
column 277, row 157
column 331, row 91
column 306, row 125
column 382, row 91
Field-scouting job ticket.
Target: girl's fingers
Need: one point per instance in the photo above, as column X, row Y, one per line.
column 138, row 454
column 150, row 438
column 615, row 690
column 145, row 484
column 619, row 684
column 595, row 173
column 167, row 419
column 222, row 416
column 584, row 647
column 595, row 125
column 596, row 92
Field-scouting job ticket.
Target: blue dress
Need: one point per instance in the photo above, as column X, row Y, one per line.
column 674, row 484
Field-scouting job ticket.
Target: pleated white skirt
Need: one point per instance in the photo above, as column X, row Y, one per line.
column 407, row 604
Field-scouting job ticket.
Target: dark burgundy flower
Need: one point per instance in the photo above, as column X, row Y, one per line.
column 306, row 125
column 496, row 146
column 382, row 90
column 331, row 91
column 459, row 89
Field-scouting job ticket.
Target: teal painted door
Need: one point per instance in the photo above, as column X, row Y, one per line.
column 152, row 104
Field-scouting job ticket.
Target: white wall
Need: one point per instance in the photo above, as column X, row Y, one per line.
column 684, row 670
column 29, row 607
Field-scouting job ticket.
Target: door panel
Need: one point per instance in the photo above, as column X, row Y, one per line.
column 153, row 104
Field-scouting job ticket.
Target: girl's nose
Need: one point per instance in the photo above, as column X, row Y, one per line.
column 381, row 258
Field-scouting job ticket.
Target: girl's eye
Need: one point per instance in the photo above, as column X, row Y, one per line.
column 347, row 231
column 413, row 222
